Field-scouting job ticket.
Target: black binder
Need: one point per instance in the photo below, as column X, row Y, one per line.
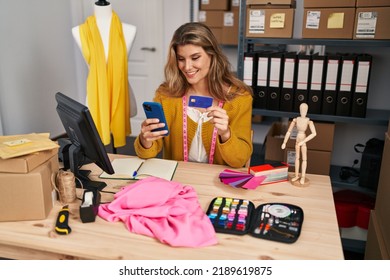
column 274, row 80
column 332, row 77
column 262, row 73
column 314, row 100
column 347, row 77
column 303, row 80
column 360, row 92
column 288, row 82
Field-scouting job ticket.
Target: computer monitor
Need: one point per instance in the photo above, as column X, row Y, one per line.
column 83, row 144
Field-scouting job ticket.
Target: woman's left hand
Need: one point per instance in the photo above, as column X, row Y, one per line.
column 220, row 120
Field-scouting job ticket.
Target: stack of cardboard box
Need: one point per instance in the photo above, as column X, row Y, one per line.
column 333, row 19
column 372, row 19
column 378, row 236
column 319, row 149
column 270, row 18
column 26, row 186
column 346, row 19
column 222, row 16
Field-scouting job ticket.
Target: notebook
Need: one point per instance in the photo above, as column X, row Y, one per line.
column 135, row 168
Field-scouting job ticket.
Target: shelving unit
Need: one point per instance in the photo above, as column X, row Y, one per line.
column 373, row 116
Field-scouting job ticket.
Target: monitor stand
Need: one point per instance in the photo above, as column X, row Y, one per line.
column 87, row 183
column 76, row 160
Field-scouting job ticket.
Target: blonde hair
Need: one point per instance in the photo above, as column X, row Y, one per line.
column 220, row 76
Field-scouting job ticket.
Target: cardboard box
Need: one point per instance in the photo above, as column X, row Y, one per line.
column 335, row 23
column 269, row 23
column 231, row 21
column 217, row 31
column 28, row 196
column 275, row 137
column 274, row 141
column 322, row 142
column 375, row 245
column 211, row 18
column 328, row 3
column 372, row 3
column 382, row 205
column 290, row 3
column 222, row 5
column 25, row 164
column 318, row 162
column 372, row 23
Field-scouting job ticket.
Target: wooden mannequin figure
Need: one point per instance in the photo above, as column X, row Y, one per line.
column 301, row 123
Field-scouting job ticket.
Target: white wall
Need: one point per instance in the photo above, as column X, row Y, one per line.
column 176, row 12
column 36, row 61
column 1, row 126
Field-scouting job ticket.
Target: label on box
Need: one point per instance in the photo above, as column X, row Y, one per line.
column 277, row 20
column 336, row 21
column 366, row 25
column 17, row 142
column 202, row 16
column 291, row 158
column 294, row 133
column 235, row 3
column 228, row 19
column 205, row 2
column 257, row 21
column 313, row 19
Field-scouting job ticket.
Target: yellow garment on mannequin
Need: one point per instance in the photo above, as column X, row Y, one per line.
column 107, row 84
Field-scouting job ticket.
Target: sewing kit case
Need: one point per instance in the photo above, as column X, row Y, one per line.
column 280, row 222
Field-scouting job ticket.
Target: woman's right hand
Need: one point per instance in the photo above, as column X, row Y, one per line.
column 147, row 136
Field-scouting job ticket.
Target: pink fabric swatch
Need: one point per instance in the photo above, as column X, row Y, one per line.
column 166, row 210
column 254, row 182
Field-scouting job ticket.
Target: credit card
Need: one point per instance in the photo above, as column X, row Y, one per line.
column 200, row 101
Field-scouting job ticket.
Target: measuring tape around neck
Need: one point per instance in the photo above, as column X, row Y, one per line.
column 185, row 134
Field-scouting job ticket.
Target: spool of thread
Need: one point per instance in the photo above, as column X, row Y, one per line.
column 65, row 185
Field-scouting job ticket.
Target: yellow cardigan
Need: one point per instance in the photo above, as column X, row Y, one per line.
column 235, row 152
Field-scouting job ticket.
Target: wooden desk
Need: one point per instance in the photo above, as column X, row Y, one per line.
column 319, row 237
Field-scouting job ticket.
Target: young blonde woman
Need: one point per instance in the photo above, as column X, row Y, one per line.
column 219, row 134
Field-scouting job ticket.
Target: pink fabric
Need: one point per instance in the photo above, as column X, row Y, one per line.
column 162, row 209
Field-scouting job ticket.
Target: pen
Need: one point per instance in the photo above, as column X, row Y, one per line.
column 135, row 174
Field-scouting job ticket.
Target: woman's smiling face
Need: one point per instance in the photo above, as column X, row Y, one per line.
column 194, row 63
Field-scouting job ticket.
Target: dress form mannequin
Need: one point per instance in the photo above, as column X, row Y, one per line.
column 103, row 15
column 301, row 123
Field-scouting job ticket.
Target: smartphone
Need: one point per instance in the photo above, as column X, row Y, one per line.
column 154, row 110
column 200, row 101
